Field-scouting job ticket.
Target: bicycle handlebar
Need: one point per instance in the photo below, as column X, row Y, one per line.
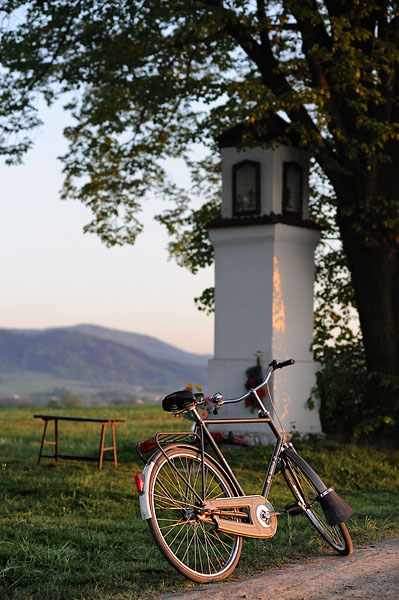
column 285, row 363
column 217, row 399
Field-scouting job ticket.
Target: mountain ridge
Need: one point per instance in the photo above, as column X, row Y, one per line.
column 148, row 344
column 71, row 353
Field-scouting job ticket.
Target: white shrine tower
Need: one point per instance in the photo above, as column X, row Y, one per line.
column 264, row 248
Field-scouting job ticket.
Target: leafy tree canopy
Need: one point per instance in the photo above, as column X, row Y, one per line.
column 151, row 78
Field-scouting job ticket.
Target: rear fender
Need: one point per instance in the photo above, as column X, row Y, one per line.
column 145, row 507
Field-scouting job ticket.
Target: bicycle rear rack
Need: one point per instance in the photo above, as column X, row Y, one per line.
column 164, row 439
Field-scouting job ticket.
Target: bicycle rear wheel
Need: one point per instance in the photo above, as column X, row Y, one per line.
column 306, row 487
column 187, row 538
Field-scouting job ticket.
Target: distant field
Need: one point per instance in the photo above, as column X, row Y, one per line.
column 71, row 532
column 26, row 383
column 36, row 386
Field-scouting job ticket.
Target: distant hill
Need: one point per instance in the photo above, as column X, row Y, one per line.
column 148, row 345
column 103, row 358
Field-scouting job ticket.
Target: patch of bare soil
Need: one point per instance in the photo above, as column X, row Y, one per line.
column 370, row 572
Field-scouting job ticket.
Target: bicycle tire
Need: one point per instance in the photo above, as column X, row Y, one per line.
column 191, row 545
column 306, row 486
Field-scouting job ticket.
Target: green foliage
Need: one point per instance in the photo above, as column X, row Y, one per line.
column 147, row 79
column 342, row 381
column 341, row 388
column 337, row 347
column 206, row 301
column 187, row 226
column 254, row 376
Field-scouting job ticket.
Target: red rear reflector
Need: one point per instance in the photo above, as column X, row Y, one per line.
column 139, row 482
column 148, row 445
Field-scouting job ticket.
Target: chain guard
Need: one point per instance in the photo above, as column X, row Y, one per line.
column 262, row 520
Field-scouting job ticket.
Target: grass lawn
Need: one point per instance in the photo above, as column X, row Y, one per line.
column 69, row 531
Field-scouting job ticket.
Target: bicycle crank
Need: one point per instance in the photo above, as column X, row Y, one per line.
column 262, row 520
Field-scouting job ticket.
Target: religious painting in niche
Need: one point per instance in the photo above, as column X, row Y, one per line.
column 246, row 188
column 292, row 189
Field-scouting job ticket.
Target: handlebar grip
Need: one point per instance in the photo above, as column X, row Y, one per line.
column 285, row 363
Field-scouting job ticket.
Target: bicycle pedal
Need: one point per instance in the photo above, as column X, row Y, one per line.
column 293, row 509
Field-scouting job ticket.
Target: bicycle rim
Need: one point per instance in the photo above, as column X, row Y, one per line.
column 189, row 541
column 306, row 492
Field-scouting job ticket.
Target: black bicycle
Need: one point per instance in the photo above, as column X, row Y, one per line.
column 195, row 507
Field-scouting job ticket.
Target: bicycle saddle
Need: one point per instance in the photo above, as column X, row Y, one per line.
column 177, row 401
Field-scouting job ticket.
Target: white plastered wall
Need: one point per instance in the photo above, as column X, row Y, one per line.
column 264, row 302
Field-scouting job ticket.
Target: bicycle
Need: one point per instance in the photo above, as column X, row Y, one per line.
column 195, row 507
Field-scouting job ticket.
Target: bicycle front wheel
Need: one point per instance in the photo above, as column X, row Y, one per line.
column 188, row 539
column 306, row 487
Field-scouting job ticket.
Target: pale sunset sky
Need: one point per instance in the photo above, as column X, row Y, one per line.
column 54, row 275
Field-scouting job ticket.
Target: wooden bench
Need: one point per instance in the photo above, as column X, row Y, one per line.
column 100, row 458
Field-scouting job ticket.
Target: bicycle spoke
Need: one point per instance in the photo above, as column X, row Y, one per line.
column 174, row 481
column 219, row 538
column 204, row 544
column 216, row 552
column 185, row 537
column 212, row 493
column 174, row 503
column 171, row 530
column 191, row 539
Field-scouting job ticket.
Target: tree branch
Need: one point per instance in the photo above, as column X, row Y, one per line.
column 57, row 51
column 272, row 76
column 313, row 39
column 263, row 21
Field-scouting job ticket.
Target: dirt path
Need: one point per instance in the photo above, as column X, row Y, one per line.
column 371, row 572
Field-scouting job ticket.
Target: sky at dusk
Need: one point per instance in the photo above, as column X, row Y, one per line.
column 54, row 275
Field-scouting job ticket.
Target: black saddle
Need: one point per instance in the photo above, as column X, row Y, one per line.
column 178, row 401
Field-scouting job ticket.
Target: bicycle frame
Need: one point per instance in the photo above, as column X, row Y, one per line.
column 201, row 429
column 261, row 514
column 203, row 435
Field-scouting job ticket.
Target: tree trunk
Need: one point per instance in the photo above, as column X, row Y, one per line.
column 374, row 268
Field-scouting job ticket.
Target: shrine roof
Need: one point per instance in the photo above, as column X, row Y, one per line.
column 263, row 132
column 270, row 219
